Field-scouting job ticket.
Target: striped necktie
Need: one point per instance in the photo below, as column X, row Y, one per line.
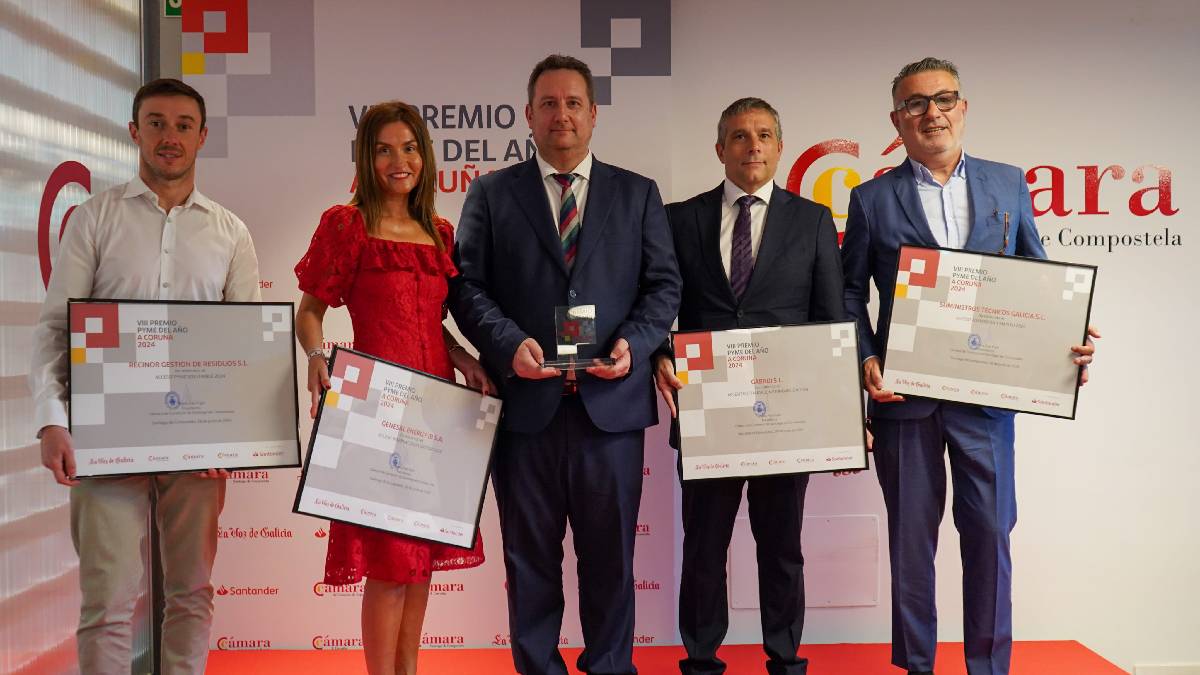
column 741, row 259
column 568, row 217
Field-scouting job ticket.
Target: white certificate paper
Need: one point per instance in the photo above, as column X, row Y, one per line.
column 758, row 401
column 398, row 450
column 181, row 386
column 987, row 329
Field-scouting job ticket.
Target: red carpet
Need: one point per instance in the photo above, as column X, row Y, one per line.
column 1029, row 658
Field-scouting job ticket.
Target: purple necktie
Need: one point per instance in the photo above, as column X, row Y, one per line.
column 741, row 260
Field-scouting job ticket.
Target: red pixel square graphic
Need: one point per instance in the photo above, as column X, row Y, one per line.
column 109, row 334
column 570, row 331
column 359, row 368
column 236, row 37
column 696, row 348
column 921, row 265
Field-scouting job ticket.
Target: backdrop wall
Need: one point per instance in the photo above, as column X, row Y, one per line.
column 1091, row 98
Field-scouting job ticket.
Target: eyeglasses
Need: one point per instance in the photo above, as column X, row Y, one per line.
column 917, row 105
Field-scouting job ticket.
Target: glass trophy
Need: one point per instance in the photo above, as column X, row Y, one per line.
column 576, row 331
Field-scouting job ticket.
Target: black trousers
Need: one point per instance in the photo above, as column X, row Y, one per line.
column 776, row 516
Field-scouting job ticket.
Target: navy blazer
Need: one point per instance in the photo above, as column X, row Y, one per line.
column 886, row 213
column 512, row 275
column 797, row 274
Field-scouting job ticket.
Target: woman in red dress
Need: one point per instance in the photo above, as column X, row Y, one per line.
column 386, row 256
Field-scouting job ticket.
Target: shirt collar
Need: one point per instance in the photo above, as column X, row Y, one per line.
column 583, row 170
column 925, row 176
column 734, row 193
column 137, row 188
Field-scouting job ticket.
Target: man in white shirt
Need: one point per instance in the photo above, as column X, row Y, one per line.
column 751, row 254
column 153, row 238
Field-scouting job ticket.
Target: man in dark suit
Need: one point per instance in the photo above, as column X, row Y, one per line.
column 564, row 229
column 750, row 254
column 940, row 197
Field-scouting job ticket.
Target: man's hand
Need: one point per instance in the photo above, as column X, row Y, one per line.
column 873, row 382
column 58, row 454
column 667, row 382
column 318, row 382
column 527, row 362
column 621, row 361
column 472, row 371
column 1086, row 354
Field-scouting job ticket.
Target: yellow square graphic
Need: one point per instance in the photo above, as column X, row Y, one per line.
column 193, row 63
column 78, row 355
column 901, row 290
column 682, row 375
column 331, row 398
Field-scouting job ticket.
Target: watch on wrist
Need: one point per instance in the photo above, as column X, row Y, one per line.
column 313, row 353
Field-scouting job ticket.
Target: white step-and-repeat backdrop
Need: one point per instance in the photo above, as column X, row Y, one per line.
column 1093, row 98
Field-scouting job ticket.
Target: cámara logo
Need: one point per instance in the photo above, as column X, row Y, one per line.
column 332, row 642
column 444, row 589
column 1146, row 192
column 231, row 643
column 255, row 476
column 322, row 590
column 63, row 175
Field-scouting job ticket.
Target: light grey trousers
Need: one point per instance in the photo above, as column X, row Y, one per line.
column 108, row 527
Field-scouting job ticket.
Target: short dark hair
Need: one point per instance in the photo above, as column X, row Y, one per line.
column 168, row 86
column 744, row 105
column 925, row 65
column 562, row 62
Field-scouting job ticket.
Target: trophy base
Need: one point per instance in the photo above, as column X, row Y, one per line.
column 575, row 364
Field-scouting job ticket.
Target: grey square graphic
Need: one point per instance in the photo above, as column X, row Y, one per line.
column 193, row 43
column 214, row 22
column 214, row 64
column 87, row 378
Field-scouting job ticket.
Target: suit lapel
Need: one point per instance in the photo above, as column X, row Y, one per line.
column 773, row 236
column 906, row 192
column 595, row 212
column 986, row 223
column 530, row 193
column 708, row 216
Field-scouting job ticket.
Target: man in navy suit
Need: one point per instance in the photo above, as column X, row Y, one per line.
column 750, row 254
column 564, row 229
column 940, row 197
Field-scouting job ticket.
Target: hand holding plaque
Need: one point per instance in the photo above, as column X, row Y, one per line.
column 575, row 327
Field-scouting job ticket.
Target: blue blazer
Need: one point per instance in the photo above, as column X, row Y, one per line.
column 886, row 212
column 512, row 275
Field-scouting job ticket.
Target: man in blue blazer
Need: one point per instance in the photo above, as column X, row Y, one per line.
column 940, row 197
column 750, row 254
column 564, row 229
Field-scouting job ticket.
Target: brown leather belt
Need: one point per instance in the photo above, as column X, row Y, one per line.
column 570, row 387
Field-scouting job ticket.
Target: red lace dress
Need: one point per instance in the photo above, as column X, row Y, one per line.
column 395, row 293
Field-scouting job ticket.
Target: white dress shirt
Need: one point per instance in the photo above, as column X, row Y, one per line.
column 729, row 214
column 583, row 176
column 947, row 207
column 122, row 245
